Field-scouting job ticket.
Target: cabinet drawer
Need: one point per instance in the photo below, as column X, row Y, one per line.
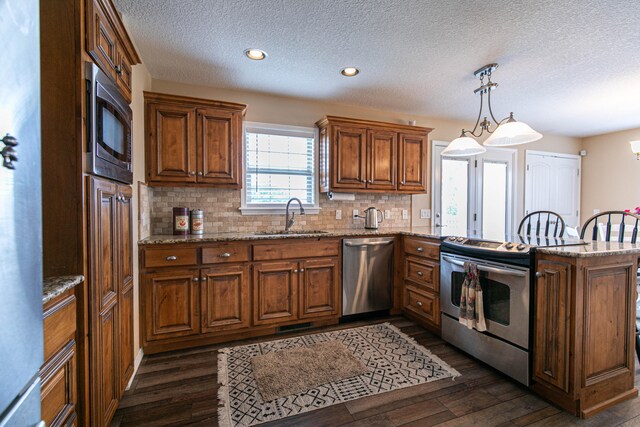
column 59, row 325
column 225, row 252
column 422, row 248
column 423, row 304
column 425, row 274
column 170, row 257
column 292, row 249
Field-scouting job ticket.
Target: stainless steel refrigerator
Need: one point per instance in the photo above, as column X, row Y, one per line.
column 21, row 342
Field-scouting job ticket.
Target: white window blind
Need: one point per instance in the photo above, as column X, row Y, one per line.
column 279, row 165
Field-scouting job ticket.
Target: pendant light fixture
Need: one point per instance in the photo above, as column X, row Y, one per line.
column 508, row 131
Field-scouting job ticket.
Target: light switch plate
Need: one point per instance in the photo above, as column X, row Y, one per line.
column 338, row 213
column 425, row 213
column 355, row 213
column 387, row 214
column 405, row 214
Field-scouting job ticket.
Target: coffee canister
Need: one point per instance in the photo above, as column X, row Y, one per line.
column 180, row 221
column 197, row 221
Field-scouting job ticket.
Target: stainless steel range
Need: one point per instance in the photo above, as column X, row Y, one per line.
column 505, row 273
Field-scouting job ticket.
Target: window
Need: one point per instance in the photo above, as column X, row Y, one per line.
column 280, row 163
column 475, row 194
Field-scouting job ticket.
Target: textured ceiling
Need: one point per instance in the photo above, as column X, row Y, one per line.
column 566, row 66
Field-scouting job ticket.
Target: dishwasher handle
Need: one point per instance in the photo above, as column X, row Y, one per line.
column 359, row 245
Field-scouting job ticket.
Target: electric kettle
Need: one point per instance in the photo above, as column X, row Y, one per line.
column 372, row 218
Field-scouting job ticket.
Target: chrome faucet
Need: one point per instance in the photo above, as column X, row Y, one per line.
column 290, row 221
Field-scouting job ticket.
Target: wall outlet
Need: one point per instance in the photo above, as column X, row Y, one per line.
column 405, row 214
column 425, row 213
column 355, row 213
column 338, row 213
column 596, row 211
column 387, row 214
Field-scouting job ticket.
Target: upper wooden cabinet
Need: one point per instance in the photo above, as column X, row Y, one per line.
column 365, row 156
column 109, row 44
column 193, row 141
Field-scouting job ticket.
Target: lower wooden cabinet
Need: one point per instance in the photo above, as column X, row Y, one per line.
column 59, row 377
column 423, row 304
column 235, row 290
column 226, row 298
column 584, row 327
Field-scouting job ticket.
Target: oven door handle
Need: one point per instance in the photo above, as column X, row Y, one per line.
column 488, row 269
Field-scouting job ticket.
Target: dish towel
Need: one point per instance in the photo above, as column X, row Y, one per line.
column 471, row 309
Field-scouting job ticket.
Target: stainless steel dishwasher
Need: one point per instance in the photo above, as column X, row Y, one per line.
column 367, row 275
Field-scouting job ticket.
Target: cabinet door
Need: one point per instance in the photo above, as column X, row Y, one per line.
column 125, row 283
column 101, row 38
column 552, row 309
column 275, row 292
column 219, row 147
column 413, row 162
column 349, row 157
column 319, row 287
column 103, row 299
column 225, row 298
column 171, row 148
column 123, row 73
column 59, row 388
column 382, row 159
column 171, row 304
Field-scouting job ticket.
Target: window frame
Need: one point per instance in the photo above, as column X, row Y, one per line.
column 279, row 208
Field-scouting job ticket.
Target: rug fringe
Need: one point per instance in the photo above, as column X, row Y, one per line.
column 224, row 408
column 454, row 373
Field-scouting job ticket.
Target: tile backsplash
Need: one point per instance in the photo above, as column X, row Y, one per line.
column 222, row 211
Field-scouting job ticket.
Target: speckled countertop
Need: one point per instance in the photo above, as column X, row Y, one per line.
column 54, row 286
column 228, row 237
column 593, row 249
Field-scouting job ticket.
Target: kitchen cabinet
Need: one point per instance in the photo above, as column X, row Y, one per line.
column 193, row 142
column 421, row 281
column 59, row 373
column 108, row 43
column 194, row 294
column 584, row 327
column 110, row 289
column 366, row 156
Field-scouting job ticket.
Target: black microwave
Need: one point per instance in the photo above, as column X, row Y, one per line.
column 108, row 128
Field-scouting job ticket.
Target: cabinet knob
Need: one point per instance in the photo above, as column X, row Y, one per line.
column 192, row 173
column 171, row 258
column 402, row 182
column 538, row 274
column 419, row 303
column 199, row 173
column 196, row 279
column 118, row 70
column 225, row 255
column 420, row 273
column 419, row 249
column 302, row 270
column 295, row 271
column 204, row 279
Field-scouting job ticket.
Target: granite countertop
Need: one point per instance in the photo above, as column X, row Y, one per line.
column 56, row 285
column 593, row 249
column 430, row 232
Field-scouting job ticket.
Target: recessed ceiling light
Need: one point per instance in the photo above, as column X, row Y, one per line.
column 255, row 54
column 349, row 71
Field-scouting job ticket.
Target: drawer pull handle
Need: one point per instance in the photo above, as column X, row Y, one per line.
column 225, row 255
column 419, row 249
column 420, row 273
column 419, row 303
column 171, row 258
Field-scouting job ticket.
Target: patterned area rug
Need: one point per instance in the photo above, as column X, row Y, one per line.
column 393, row 361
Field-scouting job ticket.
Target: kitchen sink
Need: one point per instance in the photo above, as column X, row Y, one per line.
column 290, row 232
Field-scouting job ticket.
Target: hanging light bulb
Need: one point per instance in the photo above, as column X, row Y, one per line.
column 463, row 146
column 508, row 131
column 512, row 132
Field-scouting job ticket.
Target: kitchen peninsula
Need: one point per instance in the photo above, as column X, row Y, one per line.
column 583, row 307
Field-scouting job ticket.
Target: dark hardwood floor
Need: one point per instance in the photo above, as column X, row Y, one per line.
column 180, row 389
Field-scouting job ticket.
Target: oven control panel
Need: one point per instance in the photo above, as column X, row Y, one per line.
column 489, row 245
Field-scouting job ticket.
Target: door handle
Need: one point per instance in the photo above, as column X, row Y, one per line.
column 488, row 269
column 354, row 245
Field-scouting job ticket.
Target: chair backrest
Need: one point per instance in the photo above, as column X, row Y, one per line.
column 622, row 226
column 542, row 223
